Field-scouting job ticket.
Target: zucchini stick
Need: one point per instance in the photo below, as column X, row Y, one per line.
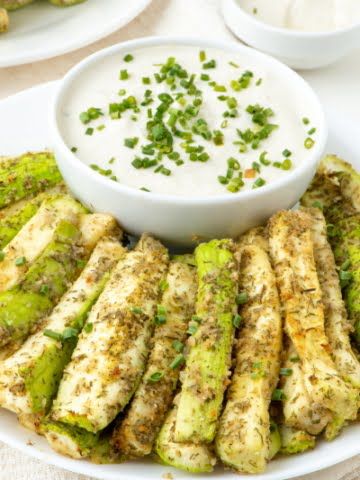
column 4, row 20
column 293, row 256
column 295, row 441
column 337, row 326
column 29, row 174
column 29, row 379
column 108, row 361
column 299, row 411
column 31, row 240
column 14, row 217
column 208, row 362
column 243, row 438
column 135, row 436
column 191, row 457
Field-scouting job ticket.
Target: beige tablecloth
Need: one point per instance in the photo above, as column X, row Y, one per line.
column 162, row 17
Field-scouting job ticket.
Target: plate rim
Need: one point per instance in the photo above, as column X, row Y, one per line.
column 87, row 39
column 80, row 467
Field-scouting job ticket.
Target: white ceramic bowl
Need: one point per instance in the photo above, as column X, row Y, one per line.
column 301, row 50
column 181, row 220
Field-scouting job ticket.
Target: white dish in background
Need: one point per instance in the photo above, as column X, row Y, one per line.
column 30, row 131
column 298, row 49
column 184, row 220
column 41, row 30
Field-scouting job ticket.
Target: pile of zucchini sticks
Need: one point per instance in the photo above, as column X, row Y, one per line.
column 10, row 5
column 238, row 352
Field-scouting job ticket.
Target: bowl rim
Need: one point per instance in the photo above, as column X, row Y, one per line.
column 226, row 198
column 291, row 33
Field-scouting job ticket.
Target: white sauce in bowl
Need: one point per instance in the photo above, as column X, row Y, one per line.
column 237, row 125
column 305, row 15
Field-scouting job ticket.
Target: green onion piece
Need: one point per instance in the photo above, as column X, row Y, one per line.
column 278, row 394
column 137, row 310
column 205, row 77
column 177, row 362
column 74, row 149
column 223, row 180
column 89, row 131
column 144, row 189
column 309, row 143
column 233, row 64
column 242, row 298
column 192, row 329
column 202, row 56
column 131, row 142
column 155, row 377
column 178, row 346
column 318, row 204
column 236, row 320
column 286, row 372
column 286, row 164
column 346, row 265
column 54, row 335
column 312, row 131
column 69, row 332
column 128, row 58
column 20, row 261
column 295, row 359
column 305, row 121
column 210, row 64
column 286, row 153
column 259, row 182
column 2, row 255
column 122, row 92
column 88, row 327
column 44, row 289
column 124, row 75
column 163, row 285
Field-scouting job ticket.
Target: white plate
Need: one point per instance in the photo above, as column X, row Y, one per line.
column 42, row 30
column 24, row 126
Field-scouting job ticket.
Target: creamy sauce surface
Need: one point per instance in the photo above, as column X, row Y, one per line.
column 305, row 15
column 213, row 123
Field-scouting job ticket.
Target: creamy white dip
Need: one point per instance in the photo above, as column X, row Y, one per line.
column 235, row 127
column 305, row 15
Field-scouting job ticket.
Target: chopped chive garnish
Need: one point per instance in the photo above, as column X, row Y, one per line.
column 163, row 285
column 74, row 149
column 128, row 58
column 258, row 82
column 259, row 182
column 309, row 143
column 202, row 56
column 122, row 92
column 305, row 121
column 312, row 131
column 192, row 329
column 177, row 362
column 146, row 80
column 210, row 64
column 205, row 77
column 20, row 261
column 233, row 64
column 44, row 289
column 295, row 359
column 236, row 320
column 286, row 164
column 54, row 335
column 91, row 113
column 346, row 265
column 263, row 160
column 88, row 327
column 196, row 318
column 100, row 127
column 160, row 319
column 286, row 372
column 278, row 394
column 242, row 298
column 144, row 189
column 155, row 377
column 286, row 153
column 131, row 142
column 223, row 180
column 69, row 333
column 124, row 75
column 2, row 255
column 178, row 346
column 137, row 310
column 89, row 131
column 318, row 204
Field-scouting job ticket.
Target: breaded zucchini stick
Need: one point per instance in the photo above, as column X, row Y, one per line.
column 191, row 457
column 29, row 379
column 337, row 326
column 14, row 4
column 65, row 3
column 14, row 217
column 108, row 361
column 299, row 411
column 243, row 438
column 4, row 20
column 293, row 257
column 27, row 175
column 135, row 436
column 208, row 362
column 29, row 243
column 295, row 441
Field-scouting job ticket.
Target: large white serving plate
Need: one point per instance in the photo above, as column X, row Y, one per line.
column 24, row 126
column 41, row 30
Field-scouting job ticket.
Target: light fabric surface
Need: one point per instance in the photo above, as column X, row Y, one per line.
column 174, row 17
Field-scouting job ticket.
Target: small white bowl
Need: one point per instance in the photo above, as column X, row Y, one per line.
column 300, row 50
column 184, row 220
